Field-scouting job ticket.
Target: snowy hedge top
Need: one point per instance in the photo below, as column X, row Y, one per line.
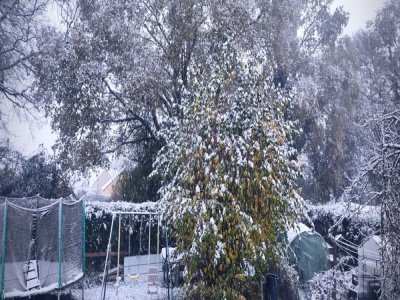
column 355, row 212
column 97, row 208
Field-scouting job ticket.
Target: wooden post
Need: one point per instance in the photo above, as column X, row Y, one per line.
column 334, row 265
column 262, row 290
column 334, row 253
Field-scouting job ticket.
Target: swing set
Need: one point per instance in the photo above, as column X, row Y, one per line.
column 152, row 272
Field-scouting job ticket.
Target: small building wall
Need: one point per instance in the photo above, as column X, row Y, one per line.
column 109, row 188
column 369, row 268
column 98, row 185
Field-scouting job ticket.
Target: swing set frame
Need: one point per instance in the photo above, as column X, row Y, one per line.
column 152, row 272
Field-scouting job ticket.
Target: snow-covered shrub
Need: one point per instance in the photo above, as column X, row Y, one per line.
column 288, row 281
column 325, row 285
column 354, row 221
column 229, row 176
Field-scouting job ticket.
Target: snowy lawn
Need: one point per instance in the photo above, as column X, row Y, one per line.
column 127, row 290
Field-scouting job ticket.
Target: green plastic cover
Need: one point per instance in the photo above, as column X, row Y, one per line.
column 309, row 252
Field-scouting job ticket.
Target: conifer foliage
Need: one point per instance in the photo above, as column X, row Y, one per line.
column 229, row 175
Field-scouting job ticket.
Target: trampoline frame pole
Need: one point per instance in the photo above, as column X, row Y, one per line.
column 3, row 254
column 60, row 221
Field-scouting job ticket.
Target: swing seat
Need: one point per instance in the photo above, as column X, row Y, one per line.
column 152, row 276
column 133, row 277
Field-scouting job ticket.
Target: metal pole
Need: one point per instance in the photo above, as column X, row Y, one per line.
column 83, row 238
column 60, row 221
column 4, row 251
column 83, row 248
column 148, row 257
column 129, row 235
column 119, row 248
column 104, row 283
column 166, row 258
column 135, row 213
column 158, row 247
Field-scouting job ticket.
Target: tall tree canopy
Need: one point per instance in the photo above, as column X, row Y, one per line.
column 19, row 28
column 377, row 182
column 37, row 175
column 229, row 176
column 112, row 80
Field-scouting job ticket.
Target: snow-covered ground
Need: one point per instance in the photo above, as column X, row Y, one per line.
column 137, row 290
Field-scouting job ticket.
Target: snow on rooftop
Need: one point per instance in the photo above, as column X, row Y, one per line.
column 107, row 184
column 377, row 239
column 114, row 176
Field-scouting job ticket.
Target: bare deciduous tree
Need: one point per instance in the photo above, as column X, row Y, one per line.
column 18, row 33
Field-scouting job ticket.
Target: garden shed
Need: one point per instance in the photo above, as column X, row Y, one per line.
column 369, row 267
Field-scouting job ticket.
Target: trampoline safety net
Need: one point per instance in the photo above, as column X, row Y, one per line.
column 42, row 245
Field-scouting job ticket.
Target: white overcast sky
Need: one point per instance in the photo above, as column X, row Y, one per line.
column 27, row 135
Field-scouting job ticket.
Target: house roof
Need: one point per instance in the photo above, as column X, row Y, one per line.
column 104, row 175
column 110, row 181
column 376, row 238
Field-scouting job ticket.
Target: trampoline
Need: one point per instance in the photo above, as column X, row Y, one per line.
column 42, row 245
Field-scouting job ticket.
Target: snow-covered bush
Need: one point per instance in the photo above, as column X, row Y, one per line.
column 328, row 284
column 229, row 175
column 354, row 221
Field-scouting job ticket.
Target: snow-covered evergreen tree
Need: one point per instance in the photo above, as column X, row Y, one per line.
column 229, row 175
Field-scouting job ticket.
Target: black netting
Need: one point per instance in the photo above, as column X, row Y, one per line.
column 47, row 245
column 2, row 206
column 18, row 248
column 33, row 203
column 32, row 264
column 72, row 241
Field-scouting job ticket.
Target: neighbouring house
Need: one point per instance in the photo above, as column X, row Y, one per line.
column 101, row 180
column 369, row 257
column 105, row 184
column 110, row 186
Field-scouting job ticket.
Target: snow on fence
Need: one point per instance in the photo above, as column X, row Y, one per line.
column 97, row 209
